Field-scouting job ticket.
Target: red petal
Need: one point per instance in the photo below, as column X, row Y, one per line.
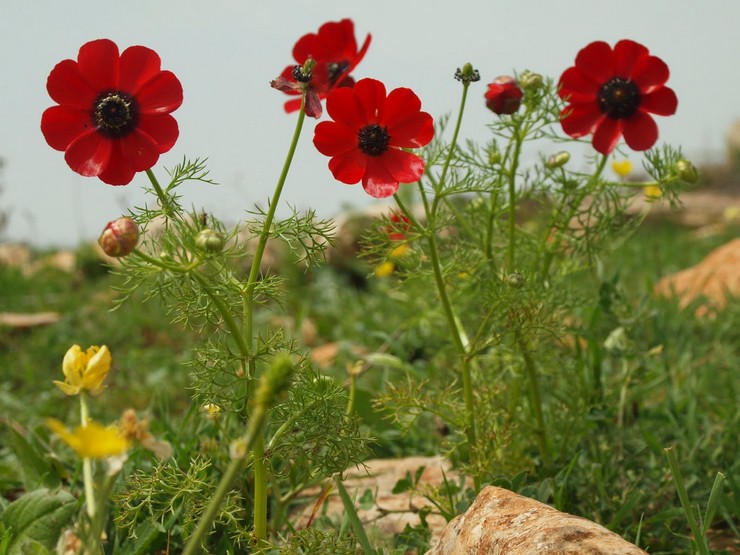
column 161, row 94
column 312, row 106
column 580, row 119
column 377, row 181
column 607, row 134
column 293, row 105
column 344, row 106
column 98, row 63
column 661, row 101
column 331, row 138
column 627, row 55
column 371, row 95
column 118, row 171
column 595, row 60
column 412, row 132
column 650, row 73
column 67, row 86
column 348, row 167
column 405, row 167
column 162, row 129
column 138, row 65
column 640, row 131
column 61, row 125
column 139, row 149
column 576, row 86
column 400, row 104
column 89, row 154
column 338, row 40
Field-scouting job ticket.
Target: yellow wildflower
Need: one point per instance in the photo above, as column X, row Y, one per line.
column 212, row 412
column 93, row 441
column 652, row 192
column 385, row 269
column 400, row 251
column 84, row 370
column 622, row 167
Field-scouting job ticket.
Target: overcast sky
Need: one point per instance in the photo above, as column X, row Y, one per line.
column 225, row 52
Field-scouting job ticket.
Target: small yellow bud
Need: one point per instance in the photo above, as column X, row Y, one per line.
column 686, row 171
column 652, row 192
column 385, row 269
column 557, row 160
column 622, row 167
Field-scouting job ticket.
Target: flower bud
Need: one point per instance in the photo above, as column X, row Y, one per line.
column 557, row 160
column 531, row 81
column 209, row 240
column 468, row 74
column 503, row 95
column 686, row 171
column 516, row 280
column 119, row 237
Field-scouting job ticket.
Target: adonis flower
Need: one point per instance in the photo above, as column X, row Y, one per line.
column 504, row 96
column 113, row 115
column 334, row 52
column 84, row 370
column 612, row 92
column 368, row 135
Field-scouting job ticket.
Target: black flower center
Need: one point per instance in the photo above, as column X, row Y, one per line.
column 373, row 139
column 115, row 113
column 618, row 98
column 335, row 69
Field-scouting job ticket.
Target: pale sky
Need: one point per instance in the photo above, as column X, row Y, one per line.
column 225, row 52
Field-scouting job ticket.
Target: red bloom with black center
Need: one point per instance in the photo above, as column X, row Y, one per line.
column 334, row 49
column 612, row 92
column 369, row 131
column 113, row 117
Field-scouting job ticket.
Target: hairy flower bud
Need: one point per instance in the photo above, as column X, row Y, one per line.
column 119, row 237
column 530, row 81
column 686, row 171
column 209, row 240
column 557, row 160
column 503, row 95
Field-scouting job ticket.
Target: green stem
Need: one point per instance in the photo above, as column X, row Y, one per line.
column 518, row 138
column 352, row 394
column 248, row 303
column 87, row 473
column 163, row 201
column 455, row 133
column 260, row 488
column 536, row 402
column 256, row 426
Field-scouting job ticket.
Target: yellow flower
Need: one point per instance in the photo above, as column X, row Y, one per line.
column 652, row 192
column 400, row 251
column 92, row 441
column 84, row 370
column 212, row 412
column 385, row 269
column 622, row 167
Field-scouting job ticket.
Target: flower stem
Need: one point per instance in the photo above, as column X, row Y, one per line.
column 248, row 303
column 260, row 488
column 163, row 201
column 87, row 474
column 518, row 138
column 536, row 401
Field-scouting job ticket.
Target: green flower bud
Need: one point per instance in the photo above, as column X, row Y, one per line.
column 516, row 280
column 275, row 381
column 557, row 160
column 686, row 171
column 530, row 81
column 119, row 237
column 209, row 240
column 494, row 157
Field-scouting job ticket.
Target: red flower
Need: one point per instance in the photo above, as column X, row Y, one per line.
column 399, row 227
column 368, row 133
column 613, row 92
column 334, row 50
column 113, row 117
column 503, row 95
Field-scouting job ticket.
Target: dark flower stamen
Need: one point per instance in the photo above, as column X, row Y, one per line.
column 300, row 76
column 618, row 98
column 373, row 139
column 335, row 69
column 115, row 114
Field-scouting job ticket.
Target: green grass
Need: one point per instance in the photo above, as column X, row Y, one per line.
column 681, row 376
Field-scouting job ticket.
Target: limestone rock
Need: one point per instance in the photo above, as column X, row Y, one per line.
column 501, row 522
column 715, row 277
